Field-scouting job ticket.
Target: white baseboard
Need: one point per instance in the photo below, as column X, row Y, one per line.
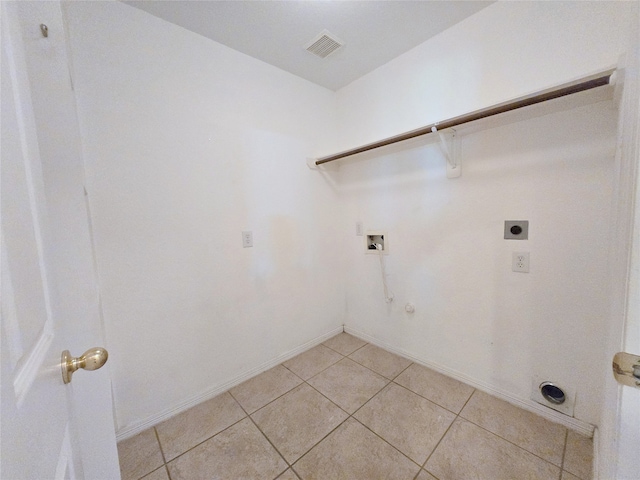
column 137, row 427
column 579, row 426
column 596, row 454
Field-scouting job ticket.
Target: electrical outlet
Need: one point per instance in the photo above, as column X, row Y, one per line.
column 247, row 239
column 359, row 231
column 520, row 262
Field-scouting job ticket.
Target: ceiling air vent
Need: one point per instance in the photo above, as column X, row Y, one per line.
column 324, row 44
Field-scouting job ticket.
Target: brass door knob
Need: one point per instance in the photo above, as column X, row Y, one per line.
column 92, row 359
column 626, row 369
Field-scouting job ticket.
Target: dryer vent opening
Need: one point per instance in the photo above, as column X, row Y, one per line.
column 556, row 395
column 552, row 393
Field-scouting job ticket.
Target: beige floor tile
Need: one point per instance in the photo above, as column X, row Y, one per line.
column 264, row 388
column 348, row 384
column 380, row 361
column 298, row 420
column 568, row 476
column 159, row 474
column 188, row 429
column 312, row 362
column 407, row 421
column 288, row 475
column 240, row 452
column 344, row 343
column 468, row 451
column 527, row 430
column 352, row 452
column 445, row 391
column 425, row 476
column 578, row 455
column 139, row 455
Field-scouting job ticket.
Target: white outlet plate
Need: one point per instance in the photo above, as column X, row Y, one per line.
column 520, row 262
column 359, row 230
column 247, row 239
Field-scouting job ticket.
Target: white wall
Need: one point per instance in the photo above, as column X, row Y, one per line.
column 474, row 317
column 506, row 50
column 188, row 143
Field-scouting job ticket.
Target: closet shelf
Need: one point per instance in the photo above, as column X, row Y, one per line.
column 590, row 83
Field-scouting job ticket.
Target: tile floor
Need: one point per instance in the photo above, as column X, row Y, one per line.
column 349, row 410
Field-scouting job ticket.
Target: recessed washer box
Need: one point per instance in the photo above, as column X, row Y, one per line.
column 516, row 229
column 371, row 238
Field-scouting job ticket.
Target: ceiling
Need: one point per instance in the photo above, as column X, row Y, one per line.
column 277, row 32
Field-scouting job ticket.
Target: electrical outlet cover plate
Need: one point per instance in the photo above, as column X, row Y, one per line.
column 247, row 239
column 520, row 262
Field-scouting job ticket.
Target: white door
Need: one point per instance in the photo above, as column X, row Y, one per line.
column 50, row 299
column 619, row 431
column 628, row 402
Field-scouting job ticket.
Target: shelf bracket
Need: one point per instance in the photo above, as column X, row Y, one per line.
column 451, row 154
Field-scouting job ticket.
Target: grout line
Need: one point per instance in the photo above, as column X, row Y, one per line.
column 295, row 473
column 351, row 415
column 332, row 430
column 275, row 399
column 390, row 379
column 433, row 401
column 438, row 444
column 164, row 459
column 304, row 380
column 345, row 355
column 564, row 450
column 468, row 400
column 207, row 439
column 272, row 446
column 337, row 426
column 360, row 364
column 403, row 370
column 390, row 444
column 324, row 396
column 427, row 399
column 263, row 434
column 375, row 395
column 437, row 478
column 270, row 401
column 334, row 403
column 321, row 440
column 428, row 472
column 446, row 432
column 359, row 348
column 509, row 441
